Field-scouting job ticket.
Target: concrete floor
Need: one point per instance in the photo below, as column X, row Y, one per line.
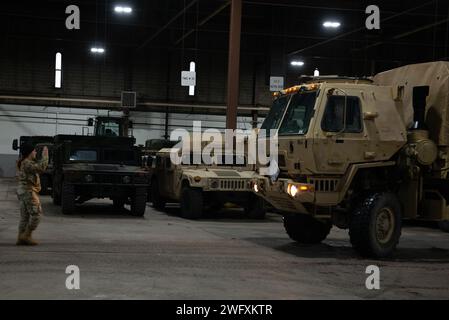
column 163, row 256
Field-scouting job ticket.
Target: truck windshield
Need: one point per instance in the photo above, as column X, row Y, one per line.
column 83, row 155
column 109, row 128
column 119, row 156
column 274, row 118
column 299, row 113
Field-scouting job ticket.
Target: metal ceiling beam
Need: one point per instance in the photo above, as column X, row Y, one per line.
column 204, row 21
column 158, row 32
column 343, row 35
column 406, row 34
column 321, row 8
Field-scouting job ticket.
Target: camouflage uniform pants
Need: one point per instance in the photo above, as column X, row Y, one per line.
column 30, row 211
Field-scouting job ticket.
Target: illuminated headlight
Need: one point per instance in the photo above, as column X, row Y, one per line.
column 256, row 188
column 89, row 178
column 294, row 189
column 126, row 179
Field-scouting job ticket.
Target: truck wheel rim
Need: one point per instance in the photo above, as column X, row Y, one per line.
column 384, row 225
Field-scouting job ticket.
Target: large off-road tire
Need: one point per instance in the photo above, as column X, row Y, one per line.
column 139, row 202
column 444, row 225
column 118, row 204
column 256, row 208
column 45, row 185
column 68, row 198
column 306, row 229
column 156, row 198
column 191, row 203
column 55, row 196
column 375, row 225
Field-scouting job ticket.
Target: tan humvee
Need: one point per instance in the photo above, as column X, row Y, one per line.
column 197, row 187
column 362, row 155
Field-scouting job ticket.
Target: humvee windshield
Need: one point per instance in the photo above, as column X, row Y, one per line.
column 222, row 160
column 297, row 118
column 83, row 155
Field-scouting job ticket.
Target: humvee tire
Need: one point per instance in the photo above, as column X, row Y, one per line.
column 139, row 202
column 156, row 198
column 56, row 197
column 375, row 225
column 306, row 229
column 68, row 198
column 255, row 208
column 44, row 185
column 191, row 203
column 444, row 225
column 118, row 204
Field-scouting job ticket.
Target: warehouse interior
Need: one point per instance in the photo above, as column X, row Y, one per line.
column 146, row 51
column 164, row 65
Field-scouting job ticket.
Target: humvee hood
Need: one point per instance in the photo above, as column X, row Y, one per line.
column 116, row 168
column 220, row 173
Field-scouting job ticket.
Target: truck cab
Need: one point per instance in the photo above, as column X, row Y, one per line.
column 361, row 155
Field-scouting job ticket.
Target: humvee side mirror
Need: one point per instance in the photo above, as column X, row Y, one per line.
column 130, row 124
column 90, row 122
column 15, row 144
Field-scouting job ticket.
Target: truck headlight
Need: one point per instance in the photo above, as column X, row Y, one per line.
column 126, row 179
column 295, row 189
column 292, row 190
column 89, row 178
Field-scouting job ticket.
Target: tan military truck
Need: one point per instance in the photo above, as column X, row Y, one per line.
column 362, row 155
column 204, row 186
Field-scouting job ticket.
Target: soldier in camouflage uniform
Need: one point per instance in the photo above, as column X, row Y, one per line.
column 28, row 192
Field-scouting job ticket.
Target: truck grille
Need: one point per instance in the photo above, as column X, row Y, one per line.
column 105, row 178
column 233, row 184
column 324, row 185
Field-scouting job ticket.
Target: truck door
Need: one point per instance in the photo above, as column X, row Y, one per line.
column 339, row 136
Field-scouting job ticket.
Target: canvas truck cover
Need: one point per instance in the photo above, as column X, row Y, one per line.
column 432, row 74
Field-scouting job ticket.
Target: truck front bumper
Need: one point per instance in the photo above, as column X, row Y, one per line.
column 286, row 195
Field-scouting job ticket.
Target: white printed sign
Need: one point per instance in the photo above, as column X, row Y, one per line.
column 188, row 78
column 276, row 84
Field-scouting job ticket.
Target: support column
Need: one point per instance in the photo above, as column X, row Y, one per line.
column 234, row 64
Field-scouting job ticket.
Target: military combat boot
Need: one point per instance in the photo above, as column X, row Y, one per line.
column 29, row 240
column 21, row 239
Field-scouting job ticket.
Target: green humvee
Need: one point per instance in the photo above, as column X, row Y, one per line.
column 87, row 167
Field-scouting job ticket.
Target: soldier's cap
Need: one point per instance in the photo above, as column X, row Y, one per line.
column 26, row 149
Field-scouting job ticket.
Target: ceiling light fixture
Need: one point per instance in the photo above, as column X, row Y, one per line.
column 332, row 24
column 97, row 50
column 297, row 63
column 121, row 9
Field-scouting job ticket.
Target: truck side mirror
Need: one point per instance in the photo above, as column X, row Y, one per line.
column 90, row 122
column 130, row 124
column 15, row 144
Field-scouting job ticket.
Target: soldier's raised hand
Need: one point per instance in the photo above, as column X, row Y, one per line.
column 45, row 152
